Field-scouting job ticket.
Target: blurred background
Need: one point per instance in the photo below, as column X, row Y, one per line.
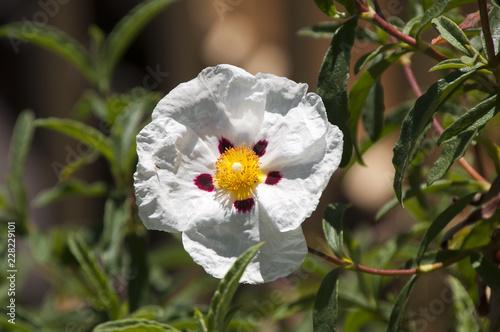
column 259, row 36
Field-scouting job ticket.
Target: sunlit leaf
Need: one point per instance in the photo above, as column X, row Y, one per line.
column 227, row 287
column 452, row 34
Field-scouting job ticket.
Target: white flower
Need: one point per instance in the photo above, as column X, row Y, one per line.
column 231, row 160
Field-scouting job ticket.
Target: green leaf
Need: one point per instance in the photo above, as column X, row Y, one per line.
column 492, row 149
column 440, row 223
column 399, row 306
column 452, row 34
column 494, row 16
column 80, row 132
column 128, row 28
column 437, row 8
column 73, row 187
column 463, row 307
column 488, row 271
column 327, row 7
column 332, row 82
column 134, row 325
column 326, row 303
column 95, row 276
column 332, row 226
column 361, row 88
column 452, row 151
column 22, row 136
column 116, row 215
column 472, row 120
column 51, row 39
column 124, row 131
column 227, row 287
column 449, row 64
column 373, row 111
column 419, row 119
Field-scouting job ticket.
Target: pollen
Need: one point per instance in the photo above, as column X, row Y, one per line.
column 237, row 171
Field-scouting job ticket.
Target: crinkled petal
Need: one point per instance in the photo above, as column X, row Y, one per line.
column 297, row 194
column 216, row 244
column 222, row 101
column 171, row 156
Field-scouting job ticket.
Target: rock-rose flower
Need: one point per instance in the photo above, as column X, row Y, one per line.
column 231, row 160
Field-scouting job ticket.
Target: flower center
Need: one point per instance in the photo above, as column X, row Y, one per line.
column 237, row 170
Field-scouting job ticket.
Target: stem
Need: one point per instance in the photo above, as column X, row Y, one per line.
column 391, row 30
column 362, row 268
column 488, row 39
column 403, row 272
column 435, row 123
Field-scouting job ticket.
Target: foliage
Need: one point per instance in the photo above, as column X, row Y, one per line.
column 114, row 281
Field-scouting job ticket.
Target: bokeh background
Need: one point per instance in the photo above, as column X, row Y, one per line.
column 257, row 35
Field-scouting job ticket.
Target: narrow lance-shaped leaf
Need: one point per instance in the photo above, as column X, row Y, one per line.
column 332, row 226
column 437, row 8
column 419, row 119
column 373, row 111
column 327, row 7
column 440, row 223
column 72, row 187
column 129, row 27
column 79, row 131
column 18, row 151
column 326, row 303
column 489, row 271
column 227, row 287
column 134, row 325
column 51, row 39
column 465, row 319
column 399, row 307
column 361, row 88
column 95, row 275
column 452, row 151
column 452, row 34
column 472, row 120
column 332, row 82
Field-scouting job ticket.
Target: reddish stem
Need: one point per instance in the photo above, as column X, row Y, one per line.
column 437, row 126
column 362, row 268
column 391, row 30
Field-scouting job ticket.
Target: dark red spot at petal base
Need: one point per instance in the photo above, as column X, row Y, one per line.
column 273, row 177
column 260, row 147
column 224, row 144
column 204, row 182
column 245, row 205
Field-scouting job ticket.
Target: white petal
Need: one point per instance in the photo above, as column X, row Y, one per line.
column 215, row 245
column 171, row 156
column 223, row 101
column 297, row 194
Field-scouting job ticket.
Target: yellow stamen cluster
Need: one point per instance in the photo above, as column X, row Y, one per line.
column 237, row 170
